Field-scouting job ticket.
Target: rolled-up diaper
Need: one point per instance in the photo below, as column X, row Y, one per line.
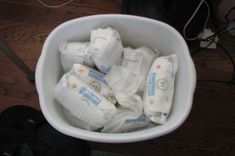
column 125, row 121
column 94, row 79
column 159, row 91
column 75, row 52
column 131, row 102
column 83, row 102
column 123, row 83
column 121, row 79
column 106, row 47
column 77, row 122
column 139, row 62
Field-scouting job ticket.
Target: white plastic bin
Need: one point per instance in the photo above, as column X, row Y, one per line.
column 134, row 31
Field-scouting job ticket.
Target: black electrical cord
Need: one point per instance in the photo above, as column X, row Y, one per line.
column 232, row 81
column 222, row 29
column 203, row 48
column 211, row 39
column 232, row 29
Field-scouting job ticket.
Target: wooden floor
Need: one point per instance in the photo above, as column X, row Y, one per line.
column 210, row 128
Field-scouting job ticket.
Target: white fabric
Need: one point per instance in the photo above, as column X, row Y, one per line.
column 159, row 92
column 75, row 52
column 139, row 62
column 126, row 121
column 94, row 79
column 83, row 102
column 106, row 47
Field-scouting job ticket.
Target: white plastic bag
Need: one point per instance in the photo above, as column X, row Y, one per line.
column 139, row 62
column 83, row 102
column 106, row 47
column 94, row 79
column 75, row 52
column 125, row 121
column 159, row 92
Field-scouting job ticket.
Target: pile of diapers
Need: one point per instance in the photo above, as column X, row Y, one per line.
column 114, row 89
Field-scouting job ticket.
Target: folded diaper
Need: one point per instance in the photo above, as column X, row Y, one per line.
column 94, row 79
column 126, row 121
column 139, row 62
column 124, row 85
column 75, row 52
column 121, row 79
column 106, row 46
column 78, row 122
column 159, row 91
column 130, row 102
column 83, row 102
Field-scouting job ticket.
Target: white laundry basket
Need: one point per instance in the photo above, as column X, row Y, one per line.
column 134, row 31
